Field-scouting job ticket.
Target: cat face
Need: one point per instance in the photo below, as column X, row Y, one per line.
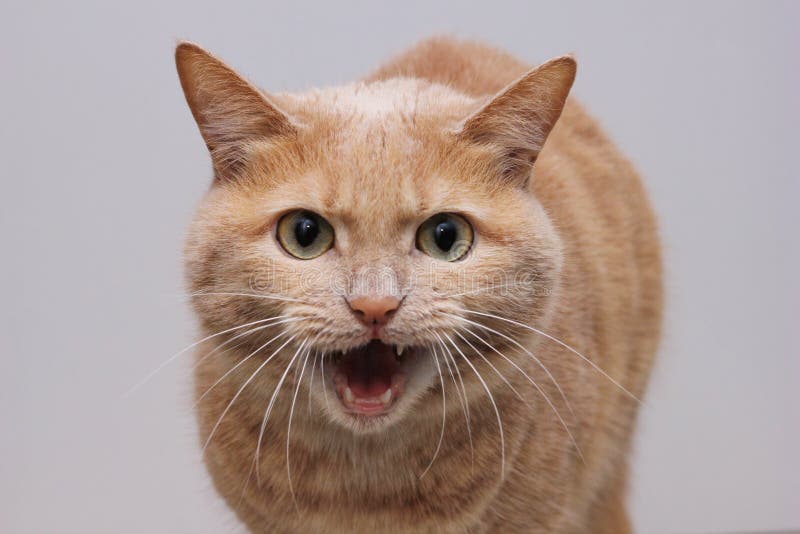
column 363, row 224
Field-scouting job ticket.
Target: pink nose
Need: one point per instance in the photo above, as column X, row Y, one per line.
column 373, row 310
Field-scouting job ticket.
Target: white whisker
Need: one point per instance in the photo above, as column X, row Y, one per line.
column 183, row 351
column 244, row 486
column 493, row 368
column 289, row 431
column 311, row 377
column 280, row 319
column 239, row 392
column 555, row 340
column 531, row 380
column 462, row 398
column 232, row 369
column 322, row 378
column 444, row 417
column 482, row 289
column 526, row 351
column 269, row 410
column 496, row 412
column 242, row 294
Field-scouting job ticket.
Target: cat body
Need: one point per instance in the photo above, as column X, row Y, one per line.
column 494, row 427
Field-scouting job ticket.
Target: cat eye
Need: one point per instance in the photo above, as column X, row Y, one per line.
column 445, row 236
column 304, row 234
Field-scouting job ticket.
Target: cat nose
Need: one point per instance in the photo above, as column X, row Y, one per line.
column 374, row 311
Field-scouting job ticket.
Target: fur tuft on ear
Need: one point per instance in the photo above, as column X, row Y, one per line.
column 519, row 118
column 229, row 111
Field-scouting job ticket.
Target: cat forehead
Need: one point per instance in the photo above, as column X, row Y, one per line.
column 379, row 101
column 367, row 143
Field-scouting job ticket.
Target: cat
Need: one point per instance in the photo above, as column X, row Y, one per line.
column 431, row 299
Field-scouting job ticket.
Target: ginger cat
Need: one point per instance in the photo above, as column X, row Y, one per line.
column 420, row 316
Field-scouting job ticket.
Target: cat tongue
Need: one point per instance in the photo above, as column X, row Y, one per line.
column 369, row 369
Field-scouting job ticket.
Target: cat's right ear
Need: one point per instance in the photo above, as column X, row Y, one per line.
column 230, row 112
column 518, row 119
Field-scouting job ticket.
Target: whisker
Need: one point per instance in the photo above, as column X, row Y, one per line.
column 242, row 294
column 232, row 369
column 462, row 399
column 244, row 486
column 280, row 319
column 236, row 396
column 297, row 369
column 183, row 351
column 526, row 351
column 444, row 417
column 289, row 431
column 311, row 377
column 219, row 347
column 496, row 412
column 495, row 369
column 555, row 340
column 322, row 379
column 482, row 289
column 269, row 410
column 531, row 380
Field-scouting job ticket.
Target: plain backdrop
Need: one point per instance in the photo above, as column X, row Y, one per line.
column 102, row 165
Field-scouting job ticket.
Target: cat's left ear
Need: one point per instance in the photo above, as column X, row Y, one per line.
column 519, row 118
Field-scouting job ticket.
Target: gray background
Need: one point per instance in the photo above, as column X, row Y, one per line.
column 102, row 165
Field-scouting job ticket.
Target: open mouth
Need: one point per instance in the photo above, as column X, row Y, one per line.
column 370, row 379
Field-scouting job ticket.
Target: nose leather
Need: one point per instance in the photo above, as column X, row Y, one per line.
column 374, row 311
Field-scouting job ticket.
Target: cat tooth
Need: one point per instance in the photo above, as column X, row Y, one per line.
column 387, row 396
column 348, row 395
column 399, row 349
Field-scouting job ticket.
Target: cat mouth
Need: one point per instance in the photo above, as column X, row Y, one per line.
column 370, row 379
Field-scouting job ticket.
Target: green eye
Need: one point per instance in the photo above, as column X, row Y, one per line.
column 445, row 236
column 304, row 234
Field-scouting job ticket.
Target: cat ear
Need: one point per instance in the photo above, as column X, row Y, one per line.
column 229, row 111
column 519, row 118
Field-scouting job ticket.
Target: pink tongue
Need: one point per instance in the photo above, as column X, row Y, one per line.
column 372, row 388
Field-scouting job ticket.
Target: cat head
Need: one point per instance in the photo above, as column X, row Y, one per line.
column 359, row 229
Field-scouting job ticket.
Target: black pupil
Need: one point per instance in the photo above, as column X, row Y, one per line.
column 445, row 235
column 306, row 230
